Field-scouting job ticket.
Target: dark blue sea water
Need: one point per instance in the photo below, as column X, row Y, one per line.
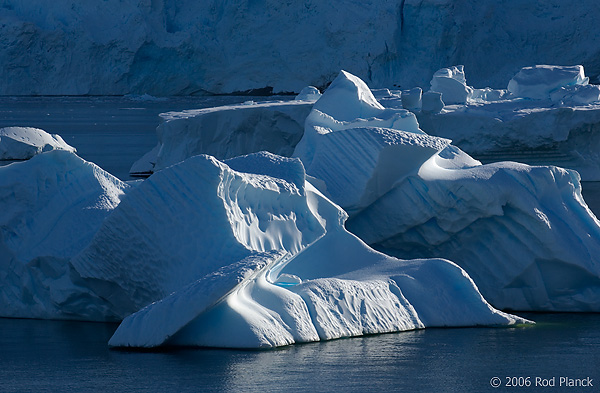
column 58, row 356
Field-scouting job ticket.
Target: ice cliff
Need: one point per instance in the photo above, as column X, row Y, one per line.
column 184, row 47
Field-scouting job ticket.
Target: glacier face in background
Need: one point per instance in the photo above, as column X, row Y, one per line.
column 166, row 47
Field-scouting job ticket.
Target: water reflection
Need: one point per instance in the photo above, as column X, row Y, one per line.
column 73, row 356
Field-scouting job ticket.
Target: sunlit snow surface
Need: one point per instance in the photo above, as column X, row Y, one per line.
column 22, row 143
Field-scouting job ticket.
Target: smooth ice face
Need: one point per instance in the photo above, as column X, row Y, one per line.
column 22, row 143
column 539, row 81
column 386, row 157
column 226, row 132
column 452, row 84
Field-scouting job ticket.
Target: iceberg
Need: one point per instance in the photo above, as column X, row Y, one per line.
column 537, row 213
column 22, row 143
column 452, row 84
column 285, row 270
column 309, row 93
column 52, row 206
column 239, row 254
column 559, row 127
column 539, row 81
column 226, row 132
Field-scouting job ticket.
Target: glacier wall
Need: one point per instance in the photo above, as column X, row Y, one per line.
column 167, row 47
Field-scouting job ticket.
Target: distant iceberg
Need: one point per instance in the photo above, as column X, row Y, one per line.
column 548, row 115
column 22, row 143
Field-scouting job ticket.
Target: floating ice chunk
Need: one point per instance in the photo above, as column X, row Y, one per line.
column 225, row 132
column 535, row 132
column 411, row 99
column 539, row 81
column 452, row 84
column 576, row 94
column 309, row 93
column 488, row 94
column 432, row 102
column 22, row 143
column 342, row 288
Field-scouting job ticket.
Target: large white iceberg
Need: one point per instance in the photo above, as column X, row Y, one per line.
column 285, row 270
column 539, row 81
column 204, row 254
column 449, row 201
column 22, row 143
column 452, row 84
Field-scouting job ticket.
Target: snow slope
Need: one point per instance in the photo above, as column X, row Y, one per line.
column 164, row 47
column 22, row 143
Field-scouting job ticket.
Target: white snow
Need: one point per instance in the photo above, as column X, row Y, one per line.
column 451, row 83
column 539, row 81
column 309, row 93
column 22, row 143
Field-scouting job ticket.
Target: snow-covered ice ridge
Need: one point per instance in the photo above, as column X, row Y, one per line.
column 164, row 47
column 413, row 194
column 22, row 143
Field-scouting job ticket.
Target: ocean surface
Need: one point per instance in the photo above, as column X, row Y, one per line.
column 63, row 356
column 59, row 356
